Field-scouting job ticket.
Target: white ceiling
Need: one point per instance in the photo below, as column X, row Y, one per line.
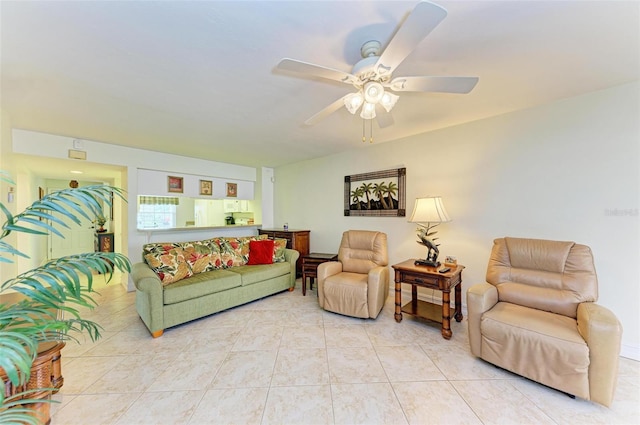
column 198, row 79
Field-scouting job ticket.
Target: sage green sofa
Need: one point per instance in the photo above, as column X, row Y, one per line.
column 162, row 305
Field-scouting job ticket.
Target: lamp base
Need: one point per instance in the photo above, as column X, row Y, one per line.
column 428, row 263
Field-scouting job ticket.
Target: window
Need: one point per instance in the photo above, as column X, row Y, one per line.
column 157, row 212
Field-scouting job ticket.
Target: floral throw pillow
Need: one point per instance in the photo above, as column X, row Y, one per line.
column 279, row 246
column 235, row 251
column 202, row 256
column 168, row 262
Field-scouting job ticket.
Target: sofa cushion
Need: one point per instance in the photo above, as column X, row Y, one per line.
column 258, row 273
column 200, row 284
column 168, row 262
column 261, row 252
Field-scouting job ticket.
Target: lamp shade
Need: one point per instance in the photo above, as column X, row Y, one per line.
column 429, row 210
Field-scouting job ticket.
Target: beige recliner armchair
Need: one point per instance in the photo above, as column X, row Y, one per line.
column 358, row 283
column 536, row 317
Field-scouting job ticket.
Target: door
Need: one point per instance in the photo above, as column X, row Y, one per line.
column 78, row 239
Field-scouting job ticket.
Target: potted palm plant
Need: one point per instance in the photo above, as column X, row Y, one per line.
column 60, row 285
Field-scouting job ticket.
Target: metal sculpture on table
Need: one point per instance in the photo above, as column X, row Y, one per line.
column 424, row 233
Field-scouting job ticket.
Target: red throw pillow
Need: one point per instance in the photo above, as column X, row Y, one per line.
column 260, row 252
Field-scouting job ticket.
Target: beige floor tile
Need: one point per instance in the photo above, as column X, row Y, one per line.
column 499, row 402
column 407, row 363
column 242, row 406
column 165, row 407
column 310, row 336
column 366, row 404
column 457, row 363
column 246, row 369
column 346, row 336
column 433, row 402
column 301, row 317
column 354, row 365
column 391, row 333
column 96, row 409
column 301, row 366
column 132, row 375
column 188, row 371
column 259, row 337
column 299, row 405
column 85, row 371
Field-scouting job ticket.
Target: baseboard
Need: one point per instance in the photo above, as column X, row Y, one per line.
column 630, row 352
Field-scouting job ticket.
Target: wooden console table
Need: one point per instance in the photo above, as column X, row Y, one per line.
column 429, row 277
column 296, row 239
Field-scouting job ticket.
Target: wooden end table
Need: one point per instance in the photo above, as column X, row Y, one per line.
column 429, row 277
column 310, row 263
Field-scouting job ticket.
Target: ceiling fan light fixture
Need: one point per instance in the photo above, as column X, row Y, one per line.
column 373, row 92
column 388, row 101
column 353, row 101
column 368, row 111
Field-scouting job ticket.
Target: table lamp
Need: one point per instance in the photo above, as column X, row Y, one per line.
column 428, row 212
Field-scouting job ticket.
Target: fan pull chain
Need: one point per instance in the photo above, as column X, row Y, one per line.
column 370, row 131
column 364, row 132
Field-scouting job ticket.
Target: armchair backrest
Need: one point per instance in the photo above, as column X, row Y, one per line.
column 547, row 275
column 362, row 250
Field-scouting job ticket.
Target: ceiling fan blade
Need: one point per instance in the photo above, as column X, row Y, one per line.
column 385, row 119
column 311, row 69
column 326, row 111
column 420, row 22
column 460, row 85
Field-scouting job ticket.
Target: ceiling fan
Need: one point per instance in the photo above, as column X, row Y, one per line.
column 373, row 76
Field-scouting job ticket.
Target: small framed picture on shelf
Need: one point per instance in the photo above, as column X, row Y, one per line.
column 232, row 190
column 175, row 184
column 206, row 187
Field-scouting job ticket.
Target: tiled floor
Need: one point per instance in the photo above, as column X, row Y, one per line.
column 282, row 360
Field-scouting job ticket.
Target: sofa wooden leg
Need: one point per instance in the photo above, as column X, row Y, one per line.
column 157, row 334
column 291, row 289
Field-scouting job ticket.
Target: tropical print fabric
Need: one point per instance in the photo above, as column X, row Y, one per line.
column 173, row 261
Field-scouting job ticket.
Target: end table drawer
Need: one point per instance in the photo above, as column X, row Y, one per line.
column 419, row 280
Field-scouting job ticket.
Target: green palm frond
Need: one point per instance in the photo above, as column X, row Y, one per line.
column 60, row 285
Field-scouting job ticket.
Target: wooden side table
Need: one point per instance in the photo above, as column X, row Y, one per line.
column 310, row 263
column 429, row 277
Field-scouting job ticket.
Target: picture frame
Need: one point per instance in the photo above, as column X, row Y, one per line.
column 175, row 184
column 206, row 187
column 376, row 194
column 232, row 190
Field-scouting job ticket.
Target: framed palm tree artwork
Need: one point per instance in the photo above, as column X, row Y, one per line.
column 376, row 194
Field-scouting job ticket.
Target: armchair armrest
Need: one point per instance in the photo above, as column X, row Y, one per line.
column 480, row 298
column 323, row 271
column 602, row 332
column 378, row 290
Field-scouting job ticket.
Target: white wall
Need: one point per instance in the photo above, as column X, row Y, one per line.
column 553, row 172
